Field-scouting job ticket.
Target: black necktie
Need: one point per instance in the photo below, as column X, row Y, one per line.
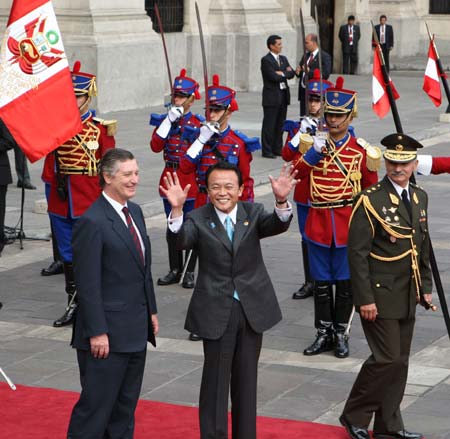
column 407, row 202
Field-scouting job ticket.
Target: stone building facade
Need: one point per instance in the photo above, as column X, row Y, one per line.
column 115, row 39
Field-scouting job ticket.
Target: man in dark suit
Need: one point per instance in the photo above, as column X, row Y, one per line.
column 234, row 301
column 116, row 315
column 388, row 252
column 276, row 97
column 349, row 34
column 385, row 34
column 6, row 143
column 307, row 65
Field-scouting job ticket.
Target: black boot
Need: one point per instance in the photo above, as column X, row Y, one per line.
column 323, row 310
column 307, row 289
column 175, row 261
column 69, row 314
column 343, row 310
column 189, row 279
column 56, row 267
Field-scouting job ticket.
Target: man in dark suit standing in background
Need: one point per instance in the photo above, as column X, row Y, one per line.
column 117, row 308
column 349, row 34
column 234, row 301
column 275, row 71
column 309, row 63
column 6, row 143
column 385, row 34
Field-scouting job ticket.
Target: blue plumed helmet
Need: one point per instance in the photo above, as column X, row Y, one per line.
column 83, row 83
column 340, row 101
column 185, row 86
column 314, row 84
column 221, row 97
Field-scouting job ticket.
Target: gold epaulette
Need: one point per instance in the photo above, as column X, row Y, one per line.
column 306, row 142
column 373, row 154
column 111, row 125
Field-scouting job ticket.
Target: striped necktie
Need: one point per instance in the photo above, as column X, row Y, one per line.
column 133, row 233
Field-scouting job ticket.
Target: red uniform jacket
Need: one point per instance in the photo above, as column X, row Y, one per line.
column 78, row 167
column 326, row 224
column 233, row 149
column 174, row 148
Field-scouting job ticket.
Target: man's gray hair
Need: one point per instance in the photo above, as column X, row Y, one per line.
column 109, row 164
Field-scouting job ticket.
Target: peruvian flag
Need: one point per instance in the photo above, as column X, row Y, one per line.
column 431, row 84
column 380, row 99
column 37, row 102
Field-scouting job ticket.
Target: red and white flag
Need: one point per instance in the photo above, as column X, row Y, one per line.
column 380, row 99
column 37, row 102
column 431, row 84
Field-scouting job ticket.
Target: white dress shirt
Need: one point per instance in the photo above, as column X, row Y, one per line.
column 400, row 189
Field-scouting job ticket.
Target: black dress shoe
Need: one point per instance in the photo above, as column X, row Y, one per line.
column 56, row 267
column 353, row 431
column 26, row 185
column 322, row 343
column 172, row 277
column 194, row 337
column 341, row 349
column 305, row 291
column 68, row 316
column 402, row 434
column 269, row 156
column 188, row 281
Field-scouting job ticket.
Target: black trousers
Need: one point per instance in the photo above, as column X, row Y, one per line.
column 385, row 51
column 233, row 358
column 350, row 61
column 381, row 382
column 272, row 127
column 3, row 190
column 109, row 395
column 23, row 174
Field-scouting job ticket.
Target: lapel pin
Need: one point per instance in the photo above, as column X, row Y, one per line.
column 394, row 199
column 416, row 200
column 246, row 223
column 213, row 225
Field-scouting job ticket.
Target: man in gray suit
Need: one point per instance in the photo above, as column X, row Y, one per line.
column 116, row 315
column 234, row 301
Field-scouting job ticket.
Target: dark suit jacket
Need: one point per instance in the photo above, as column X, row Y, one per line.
column 389, row 284
column 327, row 67
column 225, row 266
column 7, row 142
column 115, row 291
column 272, row 94
column 344, row 37
column 389, row 35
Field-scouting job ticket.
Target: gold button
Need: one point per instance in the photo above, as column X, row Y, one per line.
column 378, row 285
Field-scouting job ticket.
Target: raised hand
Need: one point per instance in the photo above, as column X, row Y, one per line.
column 173, row 191
column 282, row 186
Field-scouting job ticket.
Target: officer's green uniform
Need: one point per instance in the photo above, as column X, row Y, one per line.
column 388, row 254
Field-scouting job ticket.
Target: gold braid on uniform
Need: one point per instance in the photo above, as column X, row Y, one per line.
column 390, row 228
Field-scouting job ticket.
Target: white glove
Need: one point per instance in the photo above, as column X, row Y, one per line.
column 175, row 113
column 307, row 124
column 320, row 144
column 296, row 139
column 207, row 131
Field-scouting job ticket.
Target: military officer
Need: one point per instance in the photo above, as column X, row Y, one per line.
column 338, row 166
column 294, row 147
column 71, row 177
column 388, row 251
column 167, row 137
column 216, row 141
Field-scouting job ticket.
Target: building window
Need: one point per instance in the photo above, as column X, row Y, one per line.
column 439, row 6
column 172, row 14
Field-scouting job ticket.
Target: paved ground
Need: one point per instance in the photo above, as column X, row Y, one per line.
column 32, row 352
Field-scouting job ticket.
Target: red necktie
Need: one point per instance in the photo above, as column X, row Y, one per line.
column 311, row 57
column 134, row 234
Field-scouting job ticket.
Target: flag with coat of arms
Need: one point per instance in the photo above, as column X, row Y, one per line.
column 37, row 102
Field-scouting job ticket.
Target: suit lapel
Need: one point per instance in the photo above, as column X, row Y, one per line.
column 137, row 218
column 241, row 227
column 218, row 228
column 122, row 230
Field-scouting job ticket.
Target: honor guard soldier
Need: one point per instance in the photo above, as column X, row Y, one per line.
column 168, row 137
column 433, row 165
column 388, row 253
column 295, row 146
column 71, row 176
column 216, row 141
column 338, row 166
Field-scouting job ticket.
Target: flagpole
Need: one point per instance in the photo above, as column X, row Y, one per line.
column 441, row 71
column 387, row 83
